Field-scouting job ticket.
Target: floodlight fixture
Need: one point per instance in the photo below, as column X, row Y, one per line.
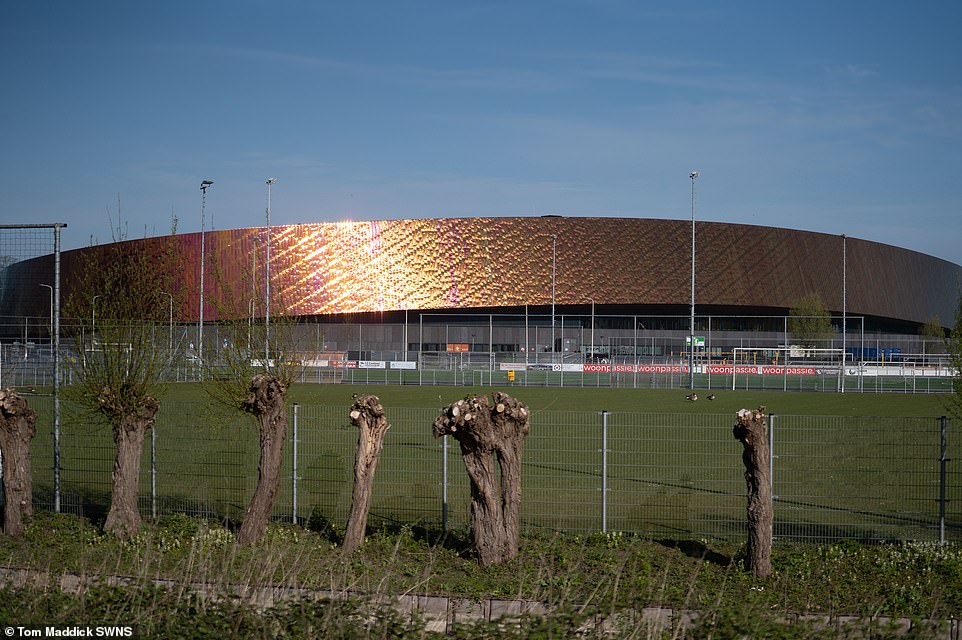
column 200, row 323
column 267, row 280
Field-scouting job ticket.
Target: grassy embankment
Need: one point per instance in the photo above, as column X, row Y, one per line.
column 581, row 579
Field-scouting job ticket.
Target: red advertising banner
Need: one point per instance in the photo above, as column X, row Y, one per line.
column 597, row 368
column 454, row 347
column 792, row 371
column 661, row 368
column 728, row 369
column 635, row 368
column 713, row 369
column 765, row 370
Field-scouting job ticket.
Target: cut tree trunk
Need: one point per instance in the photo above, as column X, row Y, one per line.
column 510, row 418
column 18, row 424
column 491, row 435
column 123, row 519
column 266, row 401
column 367, row 414
column 752, row 430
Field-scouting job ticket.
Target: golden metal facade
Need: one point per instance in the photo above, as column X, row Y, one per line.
column 465, row 263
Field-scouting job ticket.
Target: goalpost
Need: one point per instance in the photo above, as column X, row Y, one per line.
column 786, row 355
column 787, row 361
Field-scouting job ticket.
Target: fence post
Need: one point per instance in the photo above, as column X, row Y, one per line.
column 153, row 471
column 294, row 467
column 771, row 455
column 56, row 369
column 604, row 471
column 444, row 484
column 942, row 461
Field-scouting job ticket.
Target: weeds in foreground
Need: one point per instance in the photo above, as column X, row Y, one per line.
column 180, row 569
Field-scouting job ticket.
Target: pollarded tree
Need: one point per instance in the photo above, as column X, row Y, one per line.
column 18, row 424
column 809, row 322
column 117, row 307
column 253, row 372
column 367, row 414
column 751, row 429
column 491, row 435
column 266, row 401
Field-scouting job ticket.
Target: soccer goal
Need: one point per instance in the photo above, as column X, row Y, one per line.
column 786, row 361
column 789, row 355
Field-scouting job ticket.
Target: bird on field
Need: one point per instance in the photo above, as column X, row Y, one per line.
column 711, row 396
column 691, row 397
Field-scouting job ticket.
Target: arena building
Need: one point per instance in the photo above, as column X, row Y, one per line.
column 625, row 274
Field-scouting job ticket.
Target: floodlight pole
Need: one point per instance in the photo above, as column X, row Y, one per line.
column 554, row 270
column 170, row 325
column 592, row 348
column 691, row 331
column 50, row 286
column 93, row 319
column 844, row 319
column 200, row 325
column 267, row 284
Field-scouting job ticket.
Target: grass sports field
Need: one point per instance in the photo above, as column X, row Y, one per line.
column 850, row 465
column 607, row 399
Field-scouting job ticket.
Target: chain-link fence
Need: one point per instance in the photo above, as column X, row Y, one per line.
column 30, row 253
column 660, row 475
column 500, row 351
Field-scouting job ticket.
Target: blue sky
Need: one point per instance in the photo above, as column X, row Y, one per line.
column 840, row 117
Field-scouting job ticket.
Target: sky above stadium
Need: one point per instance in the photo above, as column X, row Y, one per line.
column 838, row 117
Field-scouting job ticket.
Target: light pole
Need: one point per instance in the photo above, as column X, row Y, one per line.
column 250, row 329
column 691, row 327
column 49, row 286
column 170, row 326
column 554, row 266
column 93, row 314
column 200, row 326
column 592, row 348
column 844, row 285
column 93, row 318
column 255, row 243
column 267, row 284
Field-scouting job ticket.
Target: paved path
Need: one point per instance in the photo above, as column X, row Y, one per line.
column 440, row 612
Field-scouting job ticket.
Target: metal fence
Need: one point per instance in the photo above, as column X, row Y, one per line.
column 480, row 350
column 660, row 475
column 652, row 374
column 32, row 367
